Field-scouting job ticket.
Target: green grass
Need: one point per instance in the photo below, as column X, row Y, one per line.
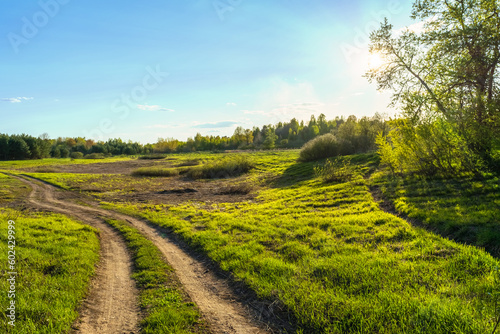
column 329, row 255
column 336, row 261
column 55, row 258
column 20, row 164
column 160, row 293
column 11, row 190
column 463, row 209
column 227, row 167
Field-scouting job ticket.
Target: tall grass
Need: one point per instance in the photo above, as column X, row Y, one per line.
column 227, row 167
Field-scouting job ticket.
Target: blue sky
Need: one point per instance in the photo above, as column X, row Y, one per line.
column 143, row 70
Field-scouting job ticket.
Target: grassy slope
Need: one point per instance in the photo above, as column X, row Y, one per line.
column 336, row 260
column 161, row 296
column 55, row 257
column 464, row 209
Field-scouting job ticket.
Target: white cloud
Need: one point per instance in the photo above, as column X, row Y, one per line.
column 153, row 108
column 216, row 125
column 164, row 126
column 417, row 27
column 16, row 99
column 231, row 104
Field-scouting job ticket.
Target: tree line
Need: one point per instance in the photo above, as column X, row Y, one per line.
column 357, row 134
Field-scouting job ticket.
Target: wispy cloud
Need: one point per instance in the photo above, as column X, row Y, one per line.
column 16, row 99
column 417, row 27
column 231, row 104
column 223, row 124
column 153, row 108
column 164, row 126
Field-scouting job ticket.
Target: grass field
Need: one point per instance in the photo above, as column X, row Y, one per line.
column 340, row 264
column 54, row 260
column 327, row 253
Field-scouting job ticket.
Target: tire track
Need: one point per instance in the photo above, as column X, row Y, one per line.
column 210, row 293
column 112, row 304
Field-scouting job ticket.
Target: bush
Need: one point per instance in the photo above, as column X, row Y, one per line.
column 76, row 155
column 426, row 149
column 95, row 156
column 224, row 168
column 156, row 171
column 153, row 157
column 338, row 170
column 319, row 148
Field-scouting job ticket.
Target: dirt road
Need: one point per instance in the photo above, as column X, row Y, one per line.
column 212, row 294
column 112, row 304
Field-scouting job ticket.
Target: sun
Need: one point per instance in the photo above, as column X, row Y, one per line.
column 375, row 61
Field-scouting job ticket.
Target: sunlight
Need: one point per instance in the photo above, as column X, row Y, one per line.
column 375, row 61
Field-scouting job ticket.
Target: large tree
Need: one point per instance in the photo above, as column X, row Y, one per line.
column 448, row 69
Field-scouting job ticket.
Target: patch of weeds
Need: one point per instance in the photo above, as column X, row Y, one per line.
column 218, row 169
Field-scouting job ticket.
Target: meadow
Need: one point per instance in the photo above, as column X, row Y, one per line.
column 322, row 249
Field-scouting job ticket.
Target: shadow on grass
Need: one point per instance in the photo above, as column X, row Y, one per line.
column 304, row 171
column 463, row 209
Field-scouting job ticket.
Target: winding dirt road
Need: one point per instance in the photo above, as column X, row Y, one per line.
column 112, row 304
column 113, row 293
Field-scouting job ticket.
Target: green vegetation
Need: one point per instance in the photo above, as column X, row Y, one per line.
column 55, row 258
column 227, row 167
column 334, row 259
column 444, row 79
column 465, row 209
column 338, row 170
column 327, row 253
column 11, row 190
column 161, row 294
column 21, row 164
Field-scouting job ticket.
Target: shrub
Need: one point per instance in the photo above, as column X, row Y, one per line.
column 95, row 156
column 156, row 171
column 153, row 157
column 76, row 155
column 224, row 168
column 338, row 170
column 319, row 148
column 426, row 149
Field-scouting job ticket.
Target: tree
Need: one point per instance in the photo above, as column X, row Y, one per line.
column 448, row 71
column 269, row 138
column 18, row 149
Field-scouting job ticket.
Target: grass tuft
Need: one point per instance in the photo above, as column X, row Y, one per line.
column 225, row 168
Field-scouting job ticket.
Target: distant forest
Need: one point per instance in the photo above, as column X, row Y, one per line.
column 358, row 135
